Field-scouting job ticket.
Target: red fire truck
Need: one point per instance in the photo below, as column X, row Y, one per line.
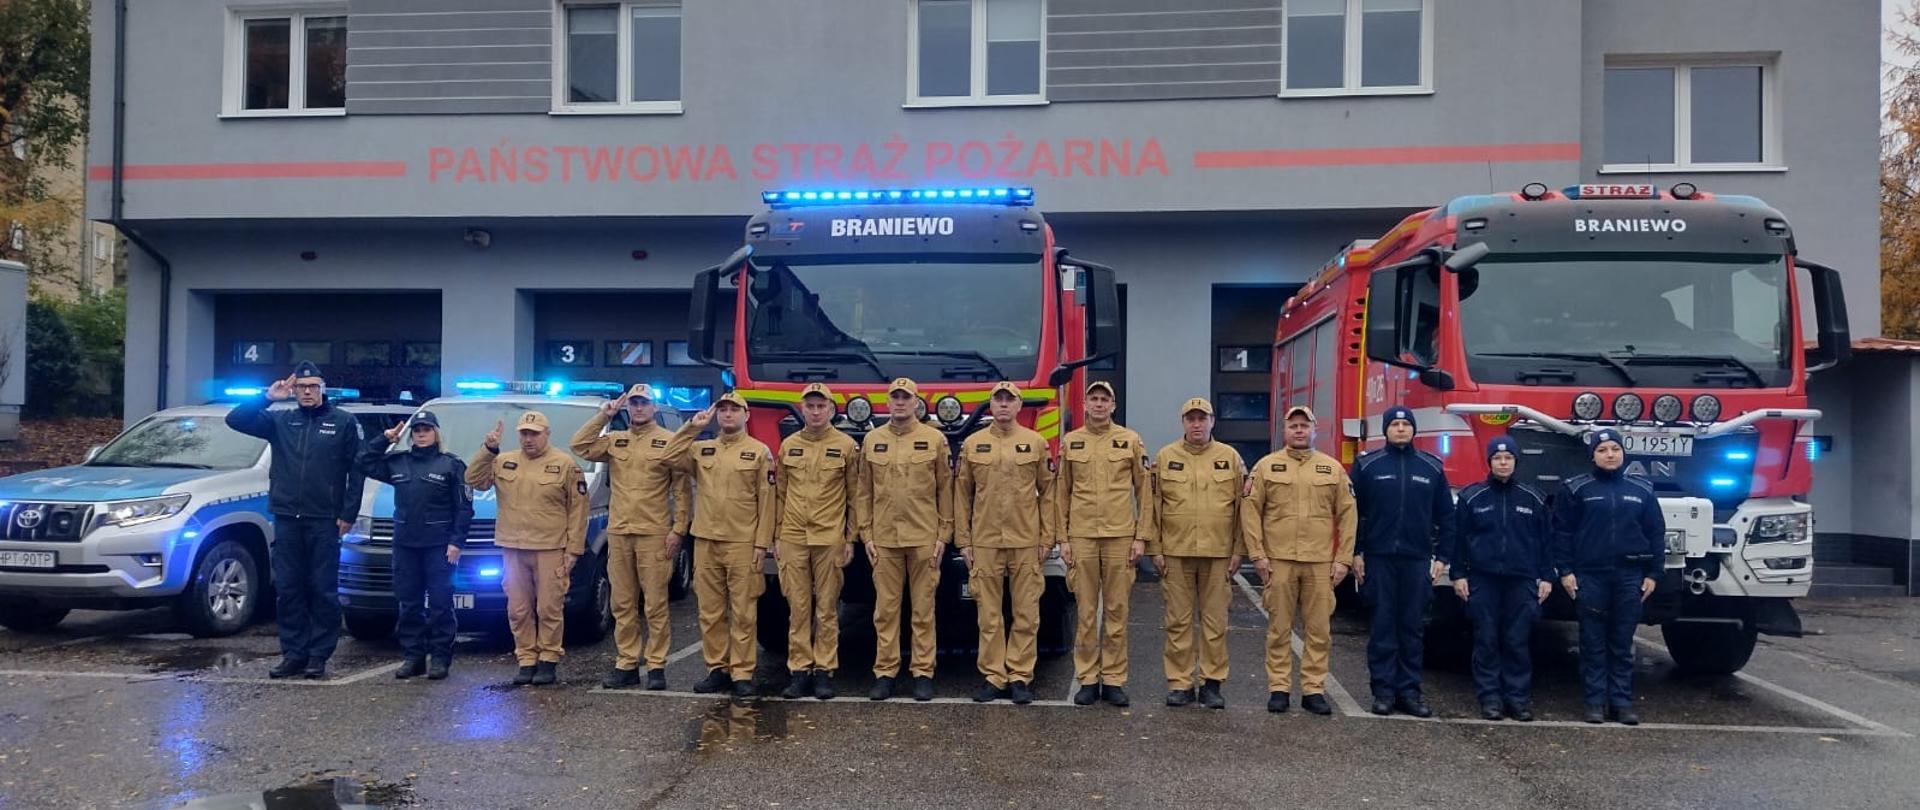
column 956, row 288
column 1683, row 318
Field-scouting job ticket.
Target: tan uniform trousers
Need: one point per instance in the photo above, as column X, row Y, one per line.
column 536, row 583
column 727, row 586
column 1189, row 583
column 1006, row 657
column 810, row 578
column 1302, row 590
column 1102, row 582
column 638, row 568
column 913, row 572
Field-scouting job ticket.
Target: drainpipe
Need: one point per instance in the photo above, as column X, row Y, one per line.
column 118, row 200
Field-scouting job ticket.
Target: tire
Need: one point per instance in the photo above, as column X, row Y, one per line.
column 592, row 618
column 370, row 626
column 27, row 617
column 1718, row 648
column 680, row 579
column 225, row 593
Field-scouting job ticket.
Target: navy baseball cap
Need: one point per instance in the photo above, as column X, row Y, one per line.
column 426, row 418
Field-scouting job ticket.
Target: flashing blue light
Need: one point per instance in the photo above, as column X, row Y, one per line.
column 343, row 393
column 5, row 504
column 727, row 378
column 1739, row 455
column 554, row 387
column 1446, row 444
column 479, row 385
column 189, row 534
column 1003, row 196
column 1813, row 451
column 489, row 573
column 1722, row 482
column 244, row 391
column 893, row 195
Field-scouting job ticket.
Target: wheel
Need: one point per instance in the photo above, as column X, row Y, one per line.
column 370, row 626
column 223, row 595
column 27, row 617
column 1710, row 648
column 592, row 618
column 680, row 579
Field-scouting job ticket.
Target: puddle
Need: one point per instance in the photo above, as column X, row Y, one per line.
column 197, row 659
column 350, row 792
column 730, row 726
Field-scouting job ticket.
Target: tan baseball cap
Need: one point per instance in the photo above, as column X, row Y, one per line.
column 534, row 421
column 733, row 397
column 904, row 384
column 1011, row 388
column 1102, row 385
column 816, row 390
column 1197, row 404
column 641, row 390
column 1302, row 410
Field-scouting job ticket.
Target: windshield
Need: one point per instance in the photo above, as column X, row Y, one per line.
column 1715, row 317
column 464, row 425
column 181, row 441
column 895, row 317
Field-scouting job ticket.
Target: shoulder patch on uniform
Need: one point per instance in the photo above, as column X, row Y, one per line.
column 880, row 448
column 1323, row 469
column 581, row 486
column 833, row 452
column 983, row 448
column 748, row 456
column 511, row 465
column 659, row 442
column 1121, row 444
column 1023, row 448
column 620, row 442
column 922, row 446
column 553, row 468
column 1222, row 464
column 1076, row 445
column 1176, row 465
column 801, row 451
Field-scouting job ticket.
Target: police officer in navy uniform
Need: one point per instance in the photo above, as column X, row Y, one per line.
column 1406, row 513
column 313, row 493
column 1609, row 546
column 1501, row 569
column 431, row 511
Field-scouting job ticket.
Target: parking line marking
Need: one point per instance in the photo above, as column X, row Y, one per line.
column 150, row 677
column 1803, row 699
column 127, row 676
column 683, row 652
column 1341, row 697
column 1611, row 726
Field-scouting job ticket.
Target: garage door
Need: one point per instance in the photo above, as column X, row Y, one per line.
column 381, row 343
column 625, row 337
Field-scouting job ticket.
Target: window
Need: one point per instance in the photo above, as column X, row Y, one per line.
column 369, row 353
column 286, row 63
column 976, row 52
column 318, row 352
column 617, row 57
column 1689, row 115
column 570, row 352
column 679, row 354
column 253, row 353
column 1245, row 359
column 629, row 352
column 1347, row 47
column 1244, row 406
column 423, row 354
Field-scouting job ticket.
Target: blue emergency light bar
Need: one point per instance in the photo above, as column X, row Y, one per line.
column 990, row 195
column 247, row 391
column 551, row 388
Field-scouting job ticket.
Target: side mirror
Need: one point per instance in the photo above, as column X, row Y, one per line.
column 1385, row 315
column 1466, row 257
column 1061, row 375
column 1830, row 313
column 1103, row 311
column 702, row 334
column 1436, row 379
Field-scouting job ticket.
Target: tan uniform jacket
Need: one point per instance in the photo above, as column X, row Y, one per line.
column 733, row 485
column 1196, row 508
column 649, row 496
column 1003, row 491
column 1104, row 488
column 813, row 493
column 542, row 501
column 904, row 492
column 1300, row 509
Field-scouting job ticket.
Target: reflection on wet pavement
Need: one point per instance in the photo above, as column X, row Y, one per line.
column 728, row 726
column 348, row 792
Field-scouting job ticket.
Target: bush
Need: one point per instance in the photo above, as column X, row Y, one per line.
column 99, row 326
column 53, row 363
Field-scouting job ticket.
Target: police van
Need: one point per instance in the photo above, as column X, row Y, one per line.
column 170, row 513
column 366, row 552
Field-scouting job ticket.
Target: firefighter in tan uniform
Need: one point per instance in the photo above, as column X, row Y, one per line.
column 1299, row 525
column 541, row 530
column 646, row 523
column 903, row 506
column 1004, row 516
column 1196, row 545
column 732, row 529
column 813, row 529
column 1104, row 492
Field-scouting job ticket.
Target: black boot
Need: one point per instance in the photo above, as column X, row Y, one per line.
column 988, row 693
column 1087, row 695
column 1277, row 701
column 618, row 678
column 1179, row 697
column 546, row 672
column 1596, row 714
column 1626, row 716
column 1317, row 704
column 1416, row 706
column 287, row 668
column 715, row 681
column 1210, row 696
column 1020, row 693
column 1115, row 696
column 437, row 670
column 410, row 668
column 1490, row 711
column 1520, row 711
column 799, row 685
column 743, row 690
column 315, row 671
column 524, row 676
column 656, row 679
column 823, row 685
column 1382, row 706
column 882, row 688
column 922, row 688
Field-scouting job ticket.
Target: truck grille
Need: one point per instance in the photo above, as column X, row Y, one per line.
column 1548, row 460
column 356, row 577
column 44, row 522
column 480, row 533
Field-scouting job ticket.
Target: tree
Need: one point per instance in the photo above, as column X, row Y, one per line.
column 44, row 64
column 1900, row 187
column 53, row 373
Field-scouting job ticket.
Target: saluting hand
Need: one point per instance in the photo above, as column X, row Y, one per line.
column 392, row 434
column 703, row 418
column 493, row 436
column 281, row 389
column 609, row 408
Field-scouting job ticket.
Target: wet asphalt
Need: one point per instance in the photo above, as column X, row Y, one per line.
column 121, row 710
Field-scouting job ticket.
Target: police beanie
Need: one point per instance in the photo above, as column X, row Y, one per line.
column 1602, row 436
column 306, row 368
column 1503, row 444
column 1398, row 412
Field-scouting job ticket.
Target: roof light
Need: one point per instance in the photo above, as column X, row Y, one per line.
column 1684, row 191
column 243, row 391
column 478, row 386
column 1003, row 196
column 343, row 393
column 1533, row 191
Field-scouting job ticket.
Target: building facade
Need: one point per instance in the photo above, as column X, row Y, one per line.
column 416, row 191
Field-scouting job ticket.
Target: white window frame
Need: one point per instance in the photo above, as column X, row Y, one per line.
column 623, row 62
column 976, row 63
column 1772, row 158
column 1350, row 69
column 233, row 69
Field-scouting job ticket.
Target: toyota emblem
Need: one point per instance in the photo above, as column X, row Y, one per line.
column 29, row 518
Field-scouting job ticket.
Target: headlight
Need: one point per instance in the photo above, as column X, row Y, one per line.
column 1776, row 528
column 361, row 532
column 1676, row 541
column 1628, row 407
column 1587, row 406
column 148, row 510
column 1706, row 408
column 1666, row 408
column 919, row 409
column 859, row 409
column 947, row 409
